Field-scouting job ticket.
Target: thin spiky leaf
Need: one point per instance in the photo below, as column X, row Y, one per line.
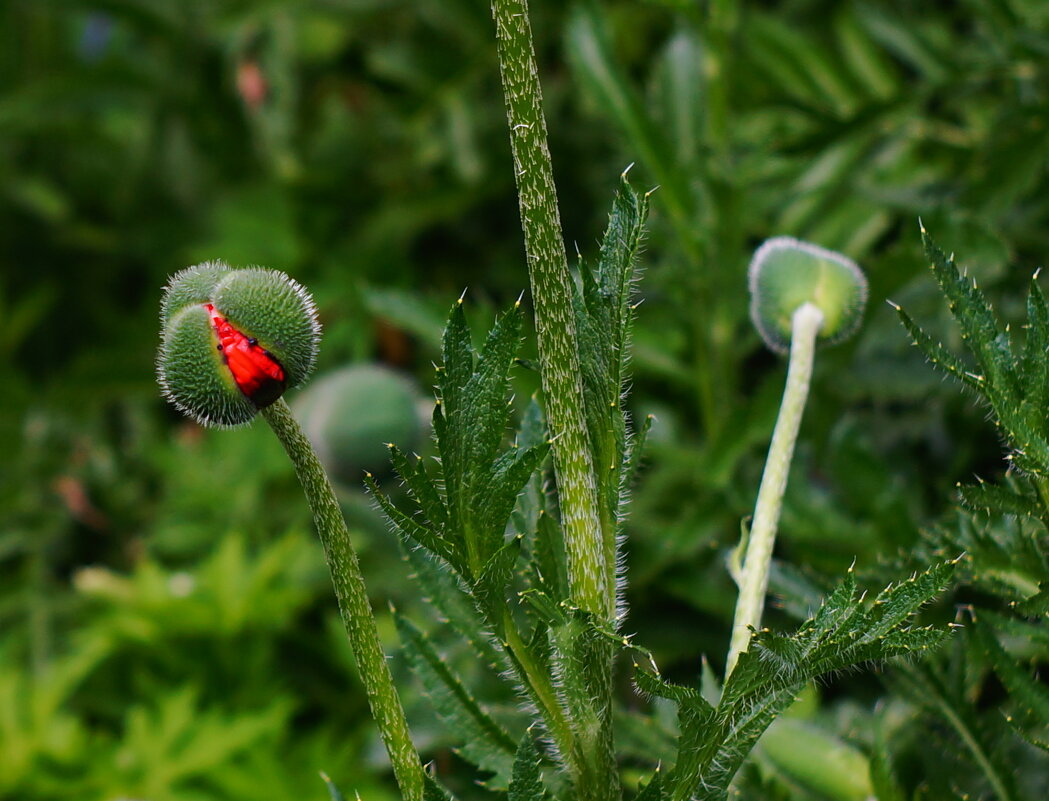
column 980, row 327
column 486, row 409
column 938, row 354
column 1034, row 361
column 416, row 532
column 527, row 781
column 444, row 591
column 484, row 742
column 420, row 486
column 432, row 791
column 984, row 497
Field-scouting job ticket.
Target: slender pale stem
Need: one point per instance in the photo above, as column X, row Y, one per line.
column 754, row 580
column 357, row 615
column 554, row 319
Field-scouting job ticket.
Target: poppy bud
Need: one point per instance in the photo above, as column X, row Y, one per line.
column 233, row 340
column 786, row 273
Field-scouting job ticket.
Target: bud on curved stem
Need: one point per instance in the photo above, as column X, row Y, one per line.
column 799, row 293
column 232, row 341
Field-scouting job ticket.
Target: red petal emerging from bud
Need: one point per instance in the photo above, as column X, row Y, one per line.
column 256, row 372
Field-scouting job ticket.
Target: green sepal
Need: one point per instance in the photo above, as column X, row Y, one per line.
column 193, row 376
column 193, row 286
column 278, row 311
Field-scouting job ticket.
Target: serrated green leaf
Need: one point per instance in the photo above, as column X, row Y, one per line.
column 900, row 601
column 420, row 534
column 432, row 791
column 450, row 421
column 942, row 358
column 1029, row 697
column 421, row 487
column 496, row 578
column 980, row 327
column 445, row 592
column 985, row 497
column 1034, row 362
column 653, row 791
column 484, row 742
column 486, row 407
column 549, row 558
column 498, row 492
column 842, row 634
column 527, row 781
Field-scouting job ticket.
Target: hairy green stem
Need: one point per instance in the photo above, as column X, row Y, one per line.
column 552, row 296
column 357, row 615
column 592, row 757
column 754, row 580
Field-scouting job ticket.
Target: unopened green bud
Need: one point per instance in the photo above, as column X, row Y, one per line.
column 233, row 340
column 786, row 273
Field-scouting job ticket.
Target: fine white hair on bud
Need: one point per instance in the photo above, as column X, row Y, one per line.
column 232, row 340
column 786, row 273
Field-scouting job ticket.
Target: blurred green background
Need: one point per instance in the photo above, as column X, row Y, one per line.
column 167, row 630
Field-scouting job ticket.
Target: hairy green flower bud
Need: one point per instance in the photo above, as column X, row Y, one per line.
column 786, row 273
column 233, row 340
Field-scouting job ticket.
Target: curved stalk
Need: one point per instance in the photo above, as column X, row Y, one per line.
column 357, row 615
column 754, row 579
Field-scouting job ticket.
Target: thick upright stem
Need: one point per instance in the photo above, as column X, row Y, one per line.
column 592, row 757
column 552, row 296
column 754, row 580
column 356, row 612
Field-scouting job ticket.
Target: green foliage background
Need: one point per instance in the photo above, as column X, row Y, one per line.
column 167, row 630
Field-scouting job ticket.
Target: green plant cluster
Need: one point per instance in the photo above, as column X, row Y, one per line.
column 166, row 625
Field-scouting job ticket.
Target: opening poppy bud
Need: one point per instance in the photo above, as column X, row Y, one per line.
column 786, row 273
column 233, row 340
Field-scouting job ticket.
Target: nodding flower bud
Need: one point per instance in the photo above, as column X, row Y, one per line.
column 233, row 340
column 786, row 273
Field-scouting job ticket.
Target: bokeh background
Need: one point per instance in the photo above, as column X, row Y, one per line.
column 167, row 629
